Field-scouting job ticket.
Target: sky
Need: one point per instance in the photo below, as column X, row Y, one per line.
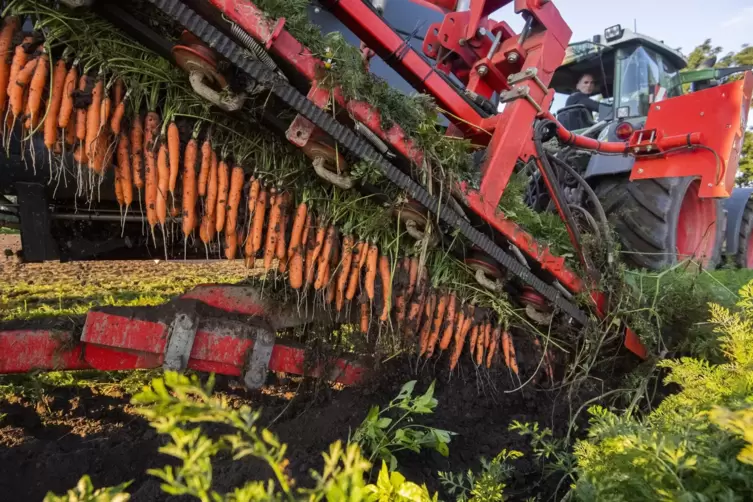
column 682, row 24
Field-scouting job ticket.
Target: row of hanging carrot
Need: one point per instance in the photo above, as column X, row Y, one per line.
column 314, row 255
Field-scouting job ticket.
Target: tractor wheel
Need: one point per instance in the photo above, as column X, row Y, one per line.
column 744, row 257
column 662, row 221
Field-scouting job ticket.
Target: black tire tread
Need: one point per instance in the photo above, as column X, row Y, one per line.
column 746, row 226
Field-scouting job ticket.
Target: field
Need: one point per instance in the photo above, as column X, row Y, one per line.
column 57, row 427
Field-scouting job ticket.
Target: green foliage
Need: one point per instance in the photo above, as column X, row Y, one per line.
column 745, row 164
column 701, row 53
column 85, row 492
column 693, row 445
column 387, row 431
column 179, row 406
column 487, row 485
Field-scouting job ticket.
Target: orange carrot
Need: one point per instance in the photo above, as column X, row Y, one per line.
column 117, row 92
column 117, row 117
column 253, row 195
column 296, row 259
column 493, row 345
column 237, row 177
column 313, row 251
column 296, row 235
column 137, row 138
column 206, row 158
column 371, row 270
column 66, row 106
column 81, row 113
column 173, row 150
column 342, row 278
column 280, row 253
column 151, row 126
column 70, row 131
column 449, row 323
column 428, row 319
column 10, row 25
column 150, row 189
column 460, row 337
column 386, row 275
column 189, row 188
column 163, row 182
column 124, row 166
column 92, row 121
column 17, row 64
column 118, row 188
column 223, row 185
column 105, row 109
column 439, row 317
column 17, row 88
column 36, row 87
column 273, row 225
column 211, row 186
column 257, row 226
column 53, row 108
column 231, row 244
column 474, row 337
column 359, row 258
column 509, row 352
column 364, row 318
column 322, row 275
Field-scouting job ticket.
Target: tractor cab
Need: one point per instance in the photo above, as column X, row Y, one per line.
column 631, row 72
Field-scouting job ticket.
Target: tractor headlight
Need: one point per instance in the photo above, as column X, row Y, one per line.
column 613, row 33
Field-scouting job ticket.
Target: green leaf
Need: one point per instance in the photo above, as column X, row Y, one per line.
column 407, row 390
column 443, row 449
column 384, row 422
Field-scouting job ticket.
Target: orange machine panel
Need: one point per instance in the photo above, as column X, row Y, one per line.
column 714, row 118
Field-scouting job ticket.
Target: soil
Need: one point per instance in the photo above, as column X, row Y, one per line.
column 49, row 441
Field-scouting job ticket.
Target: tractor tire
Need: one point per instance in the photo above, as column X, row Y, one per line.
column 659, row 221
column 744, row 256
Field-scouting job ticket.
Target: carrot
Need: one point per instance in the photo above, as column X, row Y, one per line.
column 237, row 178
column 10, row 25
column 231, row 244
column 36, row 87
column 70, row 131
column 17, row 88
column 371, row 270
column 223, row 185
column 117, row 117
column 425, row 332
column 414, row 311
column 173, row 150
column 53, row 108
column 329, row 282
column 273, row 225
column 359, row 259
column 150, row 189
column 118, row 188
column 257, row 226
column 163, row 182
column 189, row 188
column 92, row 121
column 151, row 126
column 211, row 185
column 487, row 335
column 364, row 318
column 17, row 64
column 474, row 336
column 296, row 235
column 342, row 278
column 477, row 352
column 460, row 336
column 280, row 249
column 493, row 345
column 253, row 195
column 449, row 323
column 137, row 138
column 439, row 317
column 105, row 109
column 322, row 275
column 312, row 253
column 66, row 106
column 124, row 166
column 509, row 352
column 206, row 157
column 81, row 112
column 117, row 92
column 296, row 259
column 386, row 275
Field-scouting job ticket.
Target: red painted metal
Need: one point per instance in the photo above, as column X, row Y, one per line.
column 696, row 226
column 123, row 339
column 715, row 117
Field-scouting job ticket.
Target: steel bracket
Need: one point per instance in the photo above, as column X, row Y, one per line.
column 182, row 334
column 258, row 359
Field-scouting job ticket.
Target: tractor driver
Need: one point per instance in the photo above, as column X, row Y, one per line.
column 584, row 89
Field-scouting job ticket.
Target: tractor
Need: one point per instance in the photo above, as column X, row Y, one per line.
column 659, row 221
column 657, row 168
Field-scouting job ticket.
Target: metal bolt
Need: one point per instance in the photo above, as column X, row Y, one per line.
column 710, row 185
column 640, row 171
column 482, row 32
column 317, row 10
column 658, row 107
column 483, row 70
column 461, row 42
column 512, row 57
column 702, row 113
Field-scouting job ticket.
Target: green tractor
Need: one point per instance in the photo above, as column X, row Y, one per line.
column 659, row 221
